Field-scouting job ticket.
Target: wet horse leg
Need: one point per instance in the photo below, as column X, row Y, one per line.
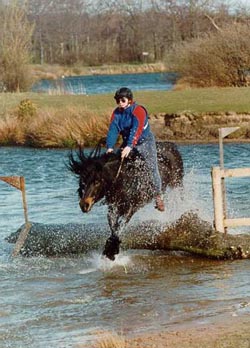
column 112, row 245
column 116, row 223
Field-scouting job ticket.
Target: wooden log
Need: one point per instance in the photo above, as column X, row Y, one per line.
column 189, row 233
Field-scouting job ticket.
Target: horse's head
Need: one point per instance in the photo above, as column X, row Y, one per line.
column 92, row 186
column 96, row 174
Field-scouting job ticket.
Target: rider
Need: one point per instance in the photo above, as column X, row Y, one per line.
column 131, row 121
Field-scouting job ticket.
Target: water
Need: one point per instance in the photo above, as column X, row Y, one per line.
column 63, row 302
column 97, row 84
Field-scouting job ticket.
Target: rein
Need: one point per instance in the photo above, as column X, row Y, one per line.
column 119, row 169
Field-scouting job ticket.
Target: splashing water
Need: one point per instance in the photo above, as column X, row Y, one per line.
column 179, row 201
column 102, row 263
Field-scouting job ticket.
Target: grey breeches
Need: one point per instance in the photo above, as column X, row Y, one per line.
column 148, row 150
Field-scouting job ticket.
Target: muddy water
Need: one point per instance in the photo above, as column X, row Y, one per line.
column 62, row 302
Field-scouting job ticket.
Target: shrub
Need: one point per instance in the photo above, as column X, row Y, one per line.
column 26, row 110
column 217, row 59
column 10, row 131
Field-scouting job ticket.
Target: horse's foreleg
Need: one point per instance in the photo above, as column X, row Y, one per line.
column 117, row 224
column 113, row 219
column 112, row 245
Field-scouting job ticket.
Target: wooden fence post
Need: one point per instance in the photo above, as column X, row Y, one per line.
column 218, row 199
column 19, row 183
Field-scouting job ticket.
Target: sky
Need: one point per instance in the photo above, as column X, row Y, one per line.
column 245, row 2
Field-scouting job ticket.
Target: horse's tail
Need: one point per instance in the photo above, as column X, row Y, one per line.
column 170, row 164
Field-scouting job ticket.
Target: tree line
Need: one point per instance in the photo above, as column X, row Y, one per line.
column 99, row 32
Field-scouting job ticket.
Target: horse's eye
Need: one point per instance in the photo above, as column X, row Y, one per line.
column 80, row 192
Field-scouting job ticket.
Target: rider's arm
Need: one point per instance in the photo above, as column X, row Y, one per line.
column 113, row 133
column 139, row 117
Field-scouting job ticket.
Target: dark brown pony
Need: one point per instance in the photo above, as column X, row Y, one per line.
column 126, row 186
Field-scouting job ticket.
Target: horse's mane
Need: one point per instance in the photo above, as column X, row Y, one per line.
column 97, row 158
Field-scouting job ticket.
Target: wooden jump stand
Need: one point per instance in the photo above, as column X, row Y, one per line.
column 221, row 222
column 19, row 183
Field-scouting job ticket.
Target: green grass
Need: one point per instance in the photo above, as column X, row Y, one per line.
column 197, row 100
column 194, row 100
column 70, row 120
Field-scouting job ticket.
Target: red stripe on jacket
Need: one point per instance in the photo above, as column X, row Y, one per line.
column 140, row 114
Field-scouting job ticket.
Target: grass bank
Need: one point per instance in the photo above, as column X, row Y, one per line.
column 194, row 100
column 64, row 120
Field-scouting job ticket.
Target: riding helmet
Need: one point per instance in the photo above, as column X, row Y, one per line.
column 123, row 92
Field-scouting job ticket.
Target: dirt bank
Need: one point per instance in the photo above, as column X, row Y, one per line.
column 203, row 128
column 226, row 331
column 232, row 332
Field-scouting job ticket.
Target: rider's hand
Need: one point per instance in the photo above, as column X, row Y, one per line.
column 126, row 151
column 109, row 150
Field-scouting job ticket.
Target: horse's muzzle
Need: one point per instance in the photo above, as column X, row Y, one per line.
column 86, row 204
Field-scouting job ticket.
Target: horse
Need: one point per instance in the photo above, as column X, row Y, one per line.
column 125, row 185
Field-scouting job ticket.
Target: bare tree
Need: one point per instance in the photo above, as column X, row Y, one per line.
column 110, row 31
column 15, row 45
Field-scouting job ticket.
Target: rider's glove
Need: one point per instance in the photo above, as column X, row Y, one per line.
column 126, row 151
column 110, row 150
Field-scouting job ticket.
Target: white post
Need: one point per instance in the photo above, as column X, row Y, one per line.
column 218, row 200
column 224, row 132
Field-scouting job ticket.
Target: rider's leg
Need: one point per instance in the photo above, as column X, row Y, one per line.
column 148, row 150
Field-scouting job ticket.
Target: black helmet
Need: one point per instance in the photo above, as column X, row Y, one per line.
column 123, row 92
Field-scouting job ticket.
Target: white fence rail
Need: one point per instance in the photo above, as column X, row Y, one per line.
column 218, row 176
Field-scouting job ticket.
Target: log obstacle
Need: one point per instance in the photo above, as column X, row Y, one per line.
column 19, row 183
column 188, row 234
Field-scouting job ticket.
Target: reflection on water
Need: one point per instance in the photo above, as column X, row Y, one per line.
column 61, row 302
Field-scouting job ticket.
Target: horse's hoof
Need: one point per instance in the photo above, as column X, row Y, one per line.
column 112, row 247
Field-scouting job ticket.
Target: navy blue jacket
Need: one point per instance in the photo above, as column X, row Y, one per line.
column 132, row 123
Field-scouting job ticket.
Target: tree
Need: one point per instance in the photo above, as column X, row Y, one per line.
column 15, row 47
column 220, row 59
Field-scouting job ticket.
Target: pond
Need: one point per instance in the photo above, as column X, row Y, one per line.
column 62, row 302
column 97, row 84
